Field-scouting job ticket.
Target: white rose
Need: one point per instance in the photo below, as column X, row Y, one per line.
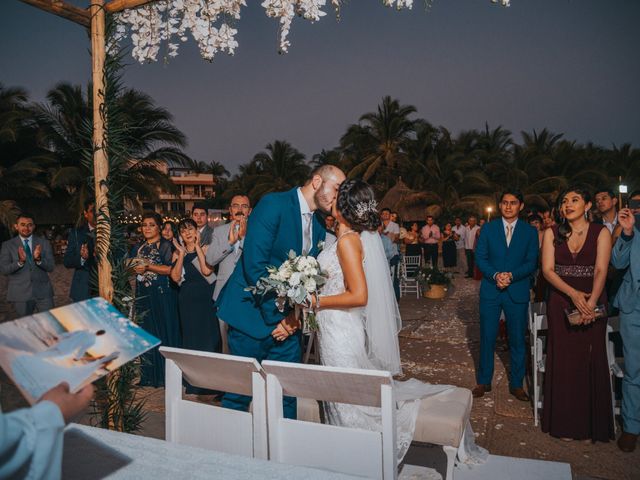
column 310, row 285
column 295, row 278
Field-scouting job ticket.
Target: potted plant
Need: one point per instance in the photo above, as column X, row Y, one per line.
column 434, row 282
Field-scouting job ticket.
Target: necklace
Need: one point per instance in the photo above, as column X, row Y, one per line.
column 580, row 232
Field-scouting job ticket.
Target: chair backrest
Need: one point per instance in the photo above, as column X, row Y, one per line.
column 210, row 426
column 331, row 447
column 411, row 265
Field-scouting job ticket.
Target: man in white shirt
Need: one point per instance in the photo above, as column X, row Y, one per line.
column 389, row 228
column 200, row 215
column 606, row 203
column 27, row 260
column 460, row 233
column 470, row 232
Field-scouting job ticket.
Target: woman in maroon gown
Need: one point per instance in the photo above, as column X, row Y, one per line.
column 577, row 391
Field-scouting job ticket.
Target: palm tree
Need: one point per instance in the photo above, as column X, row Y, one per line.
column 279, row 167
column 151, row 141
column 22, row 169
column 380, row 140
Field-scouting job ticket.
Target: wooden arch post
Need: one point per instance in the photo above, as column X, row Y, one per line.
column 100, row 160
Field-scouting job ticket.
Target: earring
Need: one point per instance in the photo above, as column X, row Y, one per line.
column 586, row 215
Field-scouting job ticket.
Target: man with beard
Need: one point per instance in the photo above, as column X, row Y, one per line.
column 281, row 222
column 27, row 260
column 226, row 247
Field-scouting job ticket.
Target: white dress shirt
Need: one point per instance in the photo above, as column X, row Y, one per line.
column 611, row 225
column 470, row 236
column 513, row 228
column 461, row 232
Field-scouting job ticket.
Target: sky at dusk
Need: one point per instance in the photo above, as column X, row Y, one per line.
column 570, row 66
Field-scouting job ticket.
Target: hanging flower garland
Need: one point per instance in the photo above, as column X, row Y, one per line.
column 210, row 23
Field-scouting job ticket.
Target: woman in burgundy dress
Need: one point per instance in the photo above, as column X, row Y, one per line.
column 577, row 391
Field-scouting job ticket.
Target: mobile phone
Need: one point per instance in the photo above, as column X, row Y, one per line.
column 634, row 204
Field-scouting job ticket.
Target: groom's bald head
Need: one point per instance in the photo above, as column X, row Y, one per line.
column 321, row 188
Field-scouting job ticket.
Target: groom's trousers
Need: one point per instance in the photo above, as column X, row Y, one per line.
column 268, row 348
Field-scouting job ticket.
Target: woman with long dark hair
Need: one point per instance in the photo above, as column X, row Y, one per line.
column 156, row 305
column 200, row 326
column 575, row 258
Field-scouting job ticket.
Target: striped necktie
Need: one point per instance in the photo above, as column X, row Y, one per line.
column 509, row 233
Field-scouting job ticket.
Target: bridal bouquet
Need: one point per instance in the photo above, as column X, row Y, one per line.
column 295, row 282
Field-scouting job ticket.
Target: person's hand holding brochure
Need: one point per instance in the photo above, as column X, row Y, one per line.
column 76, row 344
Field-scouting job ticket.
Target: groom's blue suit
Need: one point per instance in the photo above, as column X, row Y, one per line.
column 520, row 258
column 274, row 228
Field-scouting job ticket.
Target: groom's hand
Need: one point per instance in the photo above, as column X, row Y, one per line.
column 286, row 327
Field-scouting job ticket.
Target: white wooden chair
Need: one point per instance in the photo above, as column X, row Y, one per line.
column 409, row 269
column 537, row 337
column 616, row 364
column 209, row 426
column 330, row 447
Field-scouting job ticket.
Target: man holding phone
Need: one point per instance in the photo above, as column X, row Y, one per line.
column 626, row 253
column 226, row 247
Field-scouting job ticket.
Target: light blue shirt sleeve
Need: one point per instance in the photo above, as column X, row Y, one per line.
column 31, row 443
column 389, row 248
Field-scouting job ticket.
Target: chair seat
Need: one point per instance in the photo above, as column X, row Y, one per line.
column 308, row 410
column 443, row 418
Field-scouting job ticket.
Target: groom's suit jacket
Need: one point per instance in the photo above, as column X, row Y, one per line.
column 274, row 228
column 520, row 258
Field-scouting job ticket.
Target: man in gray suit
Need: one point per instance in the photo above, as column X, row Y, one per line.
column 199, row 214
column 26, row 259
column 626, row 254
column 226, row 247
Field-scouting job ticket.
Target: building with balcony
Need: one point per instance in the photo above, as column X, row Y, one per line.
column 193, row 188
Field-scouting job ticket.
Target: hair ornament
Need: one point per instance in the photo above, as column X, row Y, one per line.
column 364, row 208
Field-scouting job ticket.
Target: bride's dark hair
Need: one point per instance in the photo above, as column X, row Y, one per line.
column 357, row 204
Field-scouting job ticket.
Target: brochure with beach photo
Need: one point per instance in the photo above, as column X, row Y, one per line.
column 77, row 344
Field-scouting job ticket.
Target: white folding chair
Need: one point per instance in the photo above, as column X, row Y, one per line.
column 209, row 426
column 331, row 447
column 615, row 364
column 409, row 269
column 537, row 326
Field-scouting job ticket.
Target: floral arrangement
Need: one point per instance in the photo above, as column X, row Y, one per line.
column 295, row 282
column 211, row 23
column 432, row 276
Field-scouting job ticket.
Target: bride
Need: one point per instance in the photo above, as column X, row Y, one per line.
column 358, row 316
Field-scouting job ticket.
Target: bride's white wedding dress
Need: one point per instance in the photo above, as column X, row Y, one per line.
column 345, row 341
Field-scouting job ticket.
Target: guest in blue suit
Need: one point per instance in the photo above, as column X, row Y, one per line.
column 626, row 253
column 280, row 222
column 80, row 254
column 507, row 256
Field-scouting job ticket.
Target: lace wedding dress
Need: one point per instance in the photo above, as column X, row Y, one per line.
column 344, row 342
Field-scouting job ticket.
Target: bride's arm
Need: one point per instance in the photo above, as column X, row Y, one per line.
column 355, row 294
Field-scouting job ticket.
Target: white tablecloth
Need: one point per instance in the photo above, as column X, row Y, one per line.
column 94, row 453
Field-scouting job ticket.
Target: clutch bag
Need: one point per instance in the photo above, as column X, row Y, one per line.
column 575, row 317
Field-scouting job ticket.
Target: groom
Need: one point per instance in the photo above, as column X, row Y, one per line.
column 280, row 222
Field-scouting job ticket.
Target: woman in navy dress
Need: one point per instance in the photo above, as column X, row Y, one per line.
column 200, row 326
column 156, row 300
column 577, row 389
